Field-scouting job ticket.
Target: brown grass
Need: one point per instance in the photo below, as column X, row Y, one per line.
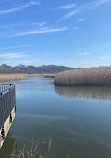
column 13, row 77
column 100, row 76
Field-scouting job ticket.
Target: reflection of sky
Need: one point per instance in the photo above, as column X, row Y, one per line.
column 77, row 122
column 42, row 117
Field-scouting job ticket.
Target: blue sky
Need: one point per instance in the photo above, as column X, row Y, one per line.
column 75, row 33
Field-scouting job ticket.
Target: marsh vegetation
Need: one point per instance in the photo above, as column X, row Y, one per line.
column 100, row 76
column 13, row 77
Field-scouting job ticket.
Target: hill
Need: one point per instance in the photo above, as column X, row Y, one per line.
column 22, row 69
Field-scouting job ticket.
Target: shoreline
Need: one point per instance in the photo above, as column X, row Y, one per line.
column 15, row 77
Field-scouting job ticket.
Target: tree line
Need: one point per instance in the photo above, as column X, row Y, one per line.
column 6, row 69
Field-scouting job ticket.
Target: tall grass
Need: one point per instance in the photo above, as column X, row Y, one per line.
column 13, row 77
column 100, row 76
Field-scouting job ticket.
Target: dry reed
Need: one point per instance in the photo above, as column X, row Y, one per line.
column 13, row 77
column 100, row 76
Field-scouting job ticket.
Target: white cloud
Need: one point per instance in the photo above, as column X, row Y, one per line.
column 18, row 46
column 18, row 62
column 39, row 31
column 84, row 8
column 76, row 28
column 26, row 62
column 16, row 9
column 34, row 24
column 34, row 28
column 34, row 3
column 12, row 55
column 85, row 53
column 68, row 6
column 104, row 57
column 41, row 24
column 80, row 20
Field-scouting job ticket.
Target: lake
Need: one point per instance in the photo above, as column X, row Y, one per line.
column 77, row 119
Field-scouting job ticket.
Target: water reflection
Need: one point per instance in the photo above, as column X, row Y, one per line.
column 9, row 148
column 100, row 93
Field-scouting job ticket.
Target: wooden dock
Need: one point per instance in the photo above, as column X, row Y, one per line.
column 7, row 109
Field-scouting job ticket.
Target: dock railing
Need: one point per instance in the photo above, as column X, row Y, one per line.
column 7, row 102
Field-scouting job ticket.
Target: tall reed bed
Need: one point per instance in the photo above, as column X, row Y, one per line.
column 100, row 76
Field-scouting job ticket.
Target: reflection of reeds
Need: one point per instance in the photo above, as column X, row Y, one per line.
column 80, row 77
column 34, row 152
column 13, row 77
column 100, row 93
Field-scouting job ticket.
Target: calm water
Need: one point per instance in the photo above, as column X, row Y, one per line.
column 78, row 119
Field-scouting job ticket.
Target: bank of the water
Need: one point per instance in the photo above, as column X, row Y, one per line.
column 14, row 77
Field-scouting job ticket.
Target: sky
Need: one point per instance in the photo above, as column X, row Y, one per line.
column 74, row 33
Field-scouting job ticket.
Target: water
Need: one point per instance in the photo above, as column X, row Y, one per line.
column 77, row 119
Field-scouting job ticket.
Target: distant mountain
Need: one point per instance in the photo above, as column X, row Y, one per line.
column 32, row 69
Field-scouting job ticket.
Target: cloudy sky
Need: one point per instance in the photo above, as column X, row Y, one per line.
column 74, row 33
